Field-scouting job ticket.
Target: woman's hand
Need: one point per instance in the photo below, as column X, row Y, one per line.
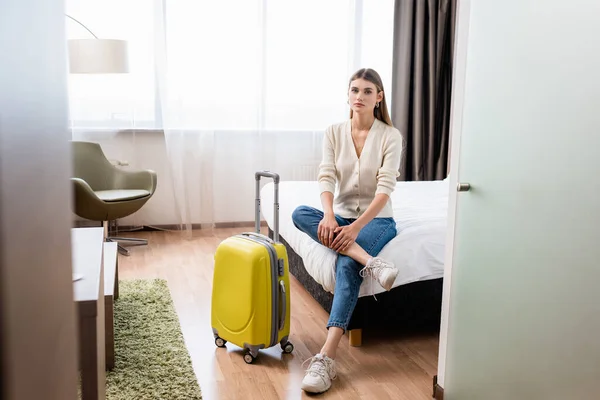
column 346, row 235
column 326, row 229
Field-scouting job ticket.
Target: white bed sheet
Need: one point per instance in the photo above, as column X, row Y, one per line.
column 420, row 212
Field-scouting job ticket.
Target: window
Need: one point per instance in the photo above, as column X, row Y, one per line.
column 231, row 64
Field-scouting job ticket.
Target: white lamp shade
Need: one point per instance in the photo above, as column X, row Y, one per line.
column 98, row 56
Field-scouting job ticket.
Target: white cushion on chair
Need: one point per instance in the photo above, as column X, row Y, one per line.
column 121, row 195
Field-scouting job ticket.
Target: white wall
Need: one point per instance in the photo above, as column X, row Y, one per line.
column 294, row 155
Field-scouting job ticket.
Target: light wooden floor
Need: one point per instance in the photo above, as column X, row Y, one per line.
column 385, row 367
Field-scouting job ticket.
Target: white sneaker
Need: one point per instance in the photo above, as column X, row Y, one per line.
column 319, row 374
column 383, row 271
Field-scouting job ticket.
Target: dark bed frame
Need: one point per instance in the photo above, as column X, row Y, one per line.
column 411, row 308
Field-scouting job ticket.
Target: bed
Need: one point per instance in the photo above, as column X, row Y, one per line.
column 418, row 250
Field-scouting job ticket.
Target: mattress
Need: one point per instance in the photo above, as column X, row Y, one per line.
column 418, row 250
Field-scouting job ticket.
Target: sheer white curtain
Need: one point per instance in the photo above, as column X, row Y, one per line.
column 226, row 80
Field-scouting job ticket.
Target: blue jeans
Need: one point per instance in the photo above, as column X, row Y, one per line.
column 372, row 238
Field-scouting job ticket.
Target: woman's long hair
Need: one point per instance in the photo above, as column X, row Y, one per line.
column 381, row 112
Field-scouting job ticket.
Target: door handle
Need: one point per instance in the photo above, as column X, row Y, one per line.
column 463, row 187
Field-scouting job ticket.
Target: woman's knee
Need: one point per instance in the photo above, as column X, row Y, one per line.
column 300, row 213
column 389, row 234
column 379, row 234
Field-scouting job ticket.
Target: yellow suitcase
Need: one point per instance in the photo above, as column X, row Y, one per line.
column 251, row 288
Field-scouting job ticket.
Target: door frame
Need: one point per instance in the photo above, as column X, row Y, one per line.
column 463, row 12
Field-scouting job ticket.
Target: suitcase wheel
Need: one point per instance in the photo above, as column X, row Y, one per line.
column 288, row 348
column 248, row 357
column 220, row 342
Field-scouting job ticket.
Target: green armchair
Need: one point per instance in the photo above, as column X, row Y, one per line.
column 102, row 192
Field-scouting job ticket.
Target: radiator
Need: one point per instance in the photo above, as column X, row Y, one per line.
column 305, row 172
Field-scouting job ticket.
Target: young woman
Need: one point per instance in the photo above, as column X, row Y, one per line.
column 361, row 155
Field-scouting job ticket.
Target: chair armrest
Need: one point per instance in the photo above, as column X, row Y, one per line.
column 82, row 188
column 141, row 179
column 86, row 203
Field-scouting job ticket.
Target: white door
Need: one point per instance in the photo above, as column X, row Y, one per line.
column 523, row 307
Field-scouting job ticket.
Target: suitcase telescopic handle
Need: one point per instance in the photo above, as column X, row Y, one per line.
column 275, row 177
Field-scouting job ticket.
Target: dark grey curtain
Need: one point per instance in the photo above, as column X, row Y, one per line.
column 421, row 85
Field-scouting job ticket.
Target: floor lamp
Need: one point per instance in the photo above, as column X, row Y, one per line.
column 97, row 56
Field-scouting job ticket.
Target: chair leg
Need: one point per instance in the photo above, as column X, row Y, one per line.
column 122, row 250
column 132, row 241
column 129, row 241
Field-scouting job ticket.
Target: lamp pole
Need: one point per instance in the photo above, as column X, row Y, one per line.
column 86, row 28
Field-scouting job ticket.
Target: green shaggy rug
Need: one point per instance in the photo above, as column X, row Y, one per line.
column 151, row 359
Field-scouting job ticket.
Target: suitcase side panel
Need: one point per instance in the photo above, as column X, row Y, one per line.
column 241, row 310
column 273, row 283
column 281, row 289
column 284, row 332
